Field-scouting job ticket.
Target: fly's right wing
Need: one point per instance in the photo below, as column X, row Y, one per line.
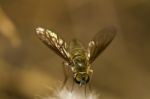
column 54, row 42
column 100, row 41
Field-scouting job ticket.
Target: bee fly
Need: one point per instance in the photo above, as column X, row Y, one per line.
column 77, row 58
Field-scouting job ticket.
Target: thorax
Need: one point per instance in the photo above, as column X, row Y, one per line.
column 79, row 58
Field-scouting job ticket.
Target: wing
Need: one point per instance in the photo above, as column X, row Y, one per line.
column 54, row 42
column 100, row 41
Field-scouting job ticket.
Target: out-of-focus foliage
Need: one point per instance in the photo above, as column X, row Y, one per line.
column 28, row 68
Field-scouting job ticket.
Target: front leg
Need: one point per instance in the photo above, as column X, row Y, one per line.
column 90, row 82
column 66, row 73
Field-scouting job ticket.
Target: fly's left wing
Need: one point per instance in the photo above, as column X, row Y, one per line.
column 54, row 42
column 100, row 41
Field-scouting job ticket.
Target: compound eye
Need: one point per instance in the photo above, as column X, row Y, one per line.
column 77, row 78
column 81, row 78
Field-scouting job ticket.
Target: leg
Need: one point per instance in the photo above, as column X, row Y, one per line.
column 85, row 89
column 72, row 86
column 66, row 70
column 90, row 89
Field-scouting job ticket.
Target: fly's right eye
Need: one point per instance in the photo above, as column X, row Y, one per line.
column 77, row 78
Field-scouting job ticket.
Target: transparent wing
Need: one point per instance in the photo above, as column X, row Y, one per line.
column 100, row 41
column 54, row 42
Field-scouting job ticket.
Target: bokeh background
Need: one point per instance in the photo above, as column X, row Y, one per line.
column 28, row 68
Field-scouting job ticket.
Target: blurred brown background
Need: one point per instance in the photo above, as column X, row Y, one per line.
column 28, row 67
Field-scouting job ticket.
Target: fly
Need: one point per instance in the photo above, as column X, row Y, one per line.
column 77, row 58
